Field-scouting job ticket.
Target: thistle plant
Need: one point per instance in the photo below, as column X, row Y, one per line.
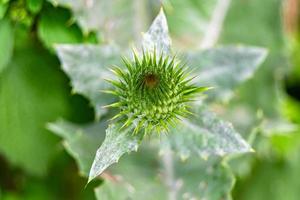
column 152, row 91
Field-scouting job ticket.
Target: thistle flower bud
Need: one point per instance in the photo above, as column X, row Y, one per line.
column 153, row 92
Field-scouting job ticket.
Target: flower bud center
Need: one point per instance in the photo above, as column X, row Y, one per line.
column 151, row 80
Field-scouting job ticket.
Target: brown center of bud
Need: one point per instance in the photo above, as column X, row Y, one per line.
column 151, row 80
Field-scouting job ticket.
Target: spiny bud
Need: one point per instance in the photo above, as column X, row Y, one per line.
column 153, row 92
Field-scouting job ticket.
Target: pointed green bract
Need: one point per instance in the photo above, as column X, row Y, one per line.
column 153, row 92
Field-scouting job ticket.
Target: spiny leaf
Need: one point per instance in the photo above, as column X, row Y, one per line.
column 190, row 20
column 225, row 68
column 159, row 177
column 80, row 141
column 95, row 15
column 204, row 134
column 86, row 65
column 117, row 142
column 157, row 37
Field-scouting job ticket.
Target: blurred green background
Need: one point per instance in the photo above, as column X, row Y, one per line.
column 34, row 91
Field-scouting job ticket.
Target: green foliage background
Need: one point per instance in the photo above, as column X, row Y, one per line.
column 35, row 91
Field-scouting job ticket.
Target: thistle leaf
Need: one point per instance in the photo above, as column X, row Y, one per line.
column 80, row 141
column 113, row 20
column 117, row 142
column 225, row 68
column 157, row 37
column 163, row 177
column 205, row 134
column 136, row 177
column 87, row 67
column 208, row 179
column 190, row 21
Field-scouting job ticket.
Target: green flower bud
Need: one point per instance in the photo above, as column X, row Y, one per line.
column 153, row 91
